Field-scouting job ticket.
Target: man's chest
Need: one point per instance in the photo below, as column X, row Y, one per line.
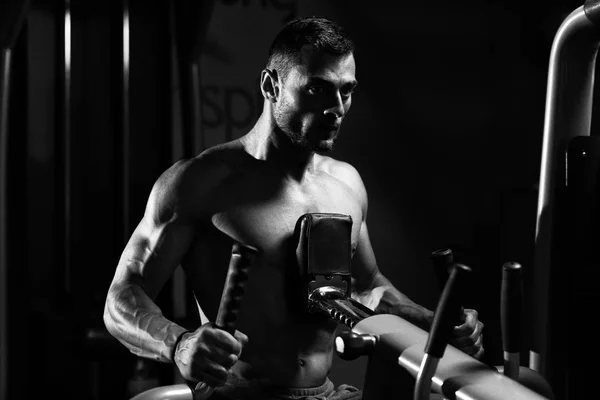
column 264, row 216
column 269, row 222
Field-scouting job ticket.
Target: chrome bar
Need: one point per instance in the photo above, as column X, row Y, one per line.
column 67, row 142
column 423, row 380
column 397, row 341
column 334, row 302
column 172, row 392
column 125, row 135
column 457, row 376
column 567, row 114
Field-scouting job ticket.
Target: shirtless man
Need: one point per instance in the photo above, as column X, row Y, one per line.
column 253, row 190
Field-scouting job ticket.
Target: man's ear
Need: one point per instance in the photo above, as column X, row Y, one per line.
column 269, row 84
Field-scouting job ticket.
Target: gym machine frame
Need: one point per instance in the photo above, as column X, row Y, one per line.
column 392, row 341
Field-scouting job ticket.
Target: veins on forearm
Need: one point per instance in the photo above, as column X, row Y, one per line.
column 383, row 298
column 140, row 325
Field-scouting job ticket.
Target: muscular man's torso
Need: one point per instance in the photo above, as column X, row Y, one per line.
column 252, row 202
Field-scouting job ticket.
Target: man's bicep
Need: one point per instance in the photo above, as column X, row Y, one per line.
column 152, row 254
column 161, row 239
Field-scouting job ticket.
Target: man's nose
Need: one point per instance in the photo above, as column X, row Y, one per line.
column 336, row 107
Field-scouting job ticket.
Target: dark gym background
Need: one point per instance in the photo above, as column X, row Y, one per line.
column 445, row 128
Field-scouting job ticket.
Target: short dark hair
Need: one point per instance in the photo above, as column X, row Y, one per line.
column 321, row 33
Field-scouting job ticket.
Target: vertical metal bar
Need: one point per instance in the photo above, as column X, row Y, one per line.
column 568, row 114
column 66, row 117
column 5, row 76
column 177, row 152
column 125, row 122
column 4, row 91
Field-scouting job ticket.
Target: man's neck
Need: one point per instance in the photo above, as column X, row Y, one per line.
column 264, row 143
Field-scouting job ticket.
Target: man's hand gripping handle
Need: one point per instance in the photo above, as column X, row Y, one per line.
column 242, row 257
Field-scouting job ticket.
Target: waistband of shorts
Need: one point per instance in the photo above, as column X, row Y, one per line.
column 300, row 392
column 243, row 386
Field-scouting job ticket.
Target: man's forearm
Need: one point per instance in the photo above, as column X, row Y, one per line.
column 135, row 320
column 383, row 298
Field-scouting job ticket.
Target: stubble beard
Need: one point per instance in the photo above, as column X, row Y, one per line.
column 293, row 131
column 300, row 141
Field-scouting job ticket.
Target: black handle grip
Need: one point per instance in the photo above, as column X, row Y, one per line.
column 442, row 263
column 443, row 260
column 511, row 298
column 448, row 311
column 242, row 257
column 350, row 345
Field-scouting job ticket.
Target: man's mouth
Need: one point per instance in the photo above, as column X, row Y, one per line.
column 330, row 128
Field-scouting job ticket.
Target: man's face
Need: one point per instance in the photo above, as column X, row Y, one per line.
column 314, row 99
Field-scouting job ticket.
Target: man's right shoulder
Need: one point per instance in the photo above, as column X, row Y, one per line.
column 212, row 163
column 194, row 181
column 205, row 167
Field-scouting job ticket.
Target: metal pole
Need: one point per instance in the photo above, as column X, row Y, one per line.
column 125, row 123
column 568, row 114
column 4, row 91
column 178, row 132
column 67, row 64
column 6, row 46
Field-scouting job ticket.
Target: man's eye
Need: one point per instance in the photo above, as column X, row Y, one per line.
column 347, row 92
column 314, row 89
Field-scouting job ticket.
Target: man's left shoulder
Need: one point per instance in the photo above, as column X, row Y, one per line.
column 339, row 169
